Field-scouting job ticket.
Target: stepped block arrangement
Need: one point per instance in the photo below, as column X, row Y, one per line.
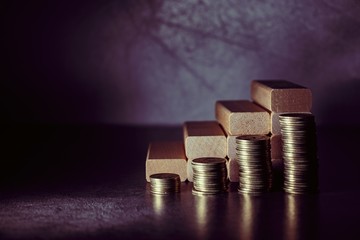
column 234, row 118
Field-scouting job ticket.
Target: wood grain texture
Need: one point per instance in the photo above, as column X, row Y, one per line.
column 281, row 96
column 204, row 139
column 242, row 117
column 275, row 123
column 276, row 146
column 231, row 146
column 166, row 157
column 233, row 170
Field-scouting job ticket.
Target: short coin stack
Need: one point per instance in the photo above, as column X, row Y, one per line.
column 164, row 183
column 255, row 172
column 209, row 176
column 299, row 152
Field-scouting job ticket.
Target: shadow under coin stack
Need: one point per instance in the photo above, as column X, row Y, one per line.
column 299, row 153
column 209, row 176
column 164, row 183
column 255, row 172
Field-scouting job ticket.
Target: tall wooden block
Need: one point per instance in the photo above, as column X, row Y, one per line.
column 242, row 117
column 281, row 96
column 204, row 139
column 276, row 147
column 275, row 123
column 166, row 157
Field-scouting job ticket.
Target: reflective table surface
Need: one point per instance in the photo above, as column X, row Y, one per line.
column 88, row 182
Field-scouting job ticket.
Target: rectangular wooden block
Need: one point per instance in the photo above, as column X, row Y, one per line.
column 204, row 139
column 233, row 170
column 281, row 96
column 189, row 170
column 166, row 157
column 231, row 146
column 276, row 146
column 275, row 123
column 242, row 117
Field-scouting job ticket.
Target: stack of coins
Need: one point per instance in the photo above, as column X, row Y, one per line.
column 255, row 171
column 299, row 152
column 209, row 176
column 164, row 183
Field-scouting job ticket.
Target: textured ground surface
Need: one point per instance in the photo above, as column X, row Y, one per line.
column 88, row 183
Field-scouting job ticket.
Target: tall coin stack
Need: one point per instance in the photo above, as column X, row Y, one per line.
column 164, row 183
column 255, row 171
column 299, row 152
column 209, row 176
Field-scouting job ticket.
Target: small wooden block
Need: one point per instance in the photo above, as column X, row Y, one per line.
column 275, row 123
column 189, row 170
column 231, row 146
column 166, row 157
column 281, row 96
column 204, row 139
column 242, row 117
column 276, row 146
column 233, row 170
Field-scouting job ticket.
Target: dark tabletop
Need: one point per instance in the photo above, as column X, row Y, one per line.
column 89, row 182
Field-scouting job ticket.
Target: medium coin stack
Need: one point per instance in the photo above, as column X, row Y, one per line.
column 209, row 176
column 255, row 171
column 299, row 152
column 164, row 183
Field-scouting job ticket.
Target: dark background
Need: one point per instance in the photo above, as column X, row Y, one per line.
column 166, row 62
column 86, row 85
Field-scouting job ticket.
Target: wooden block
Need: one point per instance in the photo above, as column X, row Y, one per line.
column 275, row 123
column 189, row 170
column 233, row 170
column 281, row 96
column 231, row 146
column 204, row 139
column 242, row 117
column 276, row 146
column 166, row 157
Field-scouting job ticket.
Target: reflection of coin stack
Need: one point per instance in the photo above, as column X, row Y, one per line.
column 299, row 152
column 209, row 176
column 164, row 183
column 255, row 173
